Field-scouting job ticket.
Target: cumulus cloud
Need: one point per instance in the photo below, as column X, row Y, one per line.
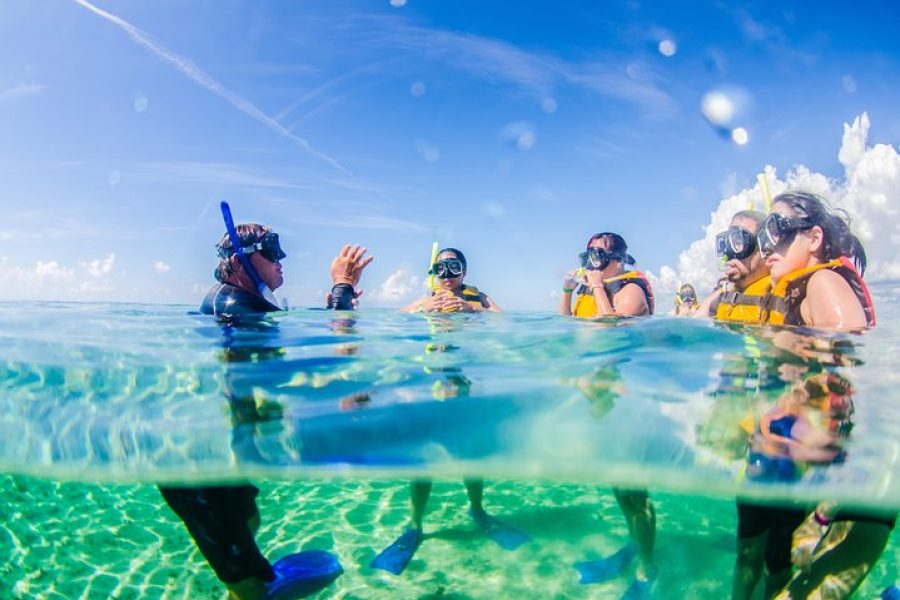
column 869, row 193
column 399, row 287
column 53, row 280
column 161, row 267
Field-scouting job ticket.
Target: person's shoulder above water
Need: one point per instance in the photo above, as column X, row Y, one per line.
column 831, row 302
column 226, row 300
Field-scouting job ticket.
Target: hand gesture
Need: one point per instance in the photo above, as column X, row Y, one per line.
column 570, row 281
column 348, row 265
column 594, row 278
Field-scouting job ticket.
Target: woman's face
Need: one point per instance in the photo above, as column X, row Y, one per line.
column 451, row 283
column 795, row 251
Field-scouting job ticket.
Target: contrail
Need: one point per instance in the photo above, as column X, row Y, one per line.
column 198, row 75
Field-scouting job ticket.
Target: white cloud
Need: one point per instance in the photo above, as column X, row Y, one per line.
column 161, row 267
column 53, row 280
column 533, row 73
column 193, row 72
column 22, row 90
column 399, row 288
column 99, row 267
column 869, row 193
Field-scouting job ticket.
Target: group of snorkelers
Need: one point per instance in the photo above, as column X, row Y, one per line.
column 800, row 265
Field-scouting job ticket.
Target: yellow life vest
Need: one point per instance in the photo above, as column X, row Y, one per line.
column 471, row 295
column 586, row 305
column 743, row 307
column 782, row 305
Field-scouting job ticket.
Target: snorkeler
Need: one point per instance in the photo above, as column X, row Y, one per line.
column 816, row 264
column 764, row 530
column 223, row 519
column 740, row 296
column 449, row 293
column 685, row 300
column 602, row 287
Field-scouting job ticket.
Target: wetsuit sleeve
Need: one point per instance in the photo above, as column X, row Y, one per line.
column 342, row 296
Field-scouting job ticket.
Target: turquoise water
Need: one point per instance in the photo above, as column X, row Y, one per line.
column 330, row 416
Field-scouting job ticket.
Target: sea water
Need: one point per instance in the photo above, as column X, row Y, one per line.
column 331, row 414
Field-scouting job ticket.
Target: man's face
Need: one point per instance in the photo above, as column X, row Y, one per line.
column 750, row 268
column 614, row 265
column 270, row 272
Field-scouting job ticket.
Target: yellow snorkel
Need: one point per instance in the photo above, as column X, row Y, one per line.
column 434, row 254
column 767, row 195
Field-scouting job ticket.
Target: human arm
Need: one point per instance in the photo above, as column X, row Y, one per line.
column 441, row 301
column 605, row 308
column 630, row 301
column 831, row 303
column 704, row 307
column 565, row 300
column 489, row 305
column 346, row 270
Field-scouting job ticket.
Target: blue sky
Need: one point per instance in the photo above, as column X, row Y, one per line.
column 511, row 133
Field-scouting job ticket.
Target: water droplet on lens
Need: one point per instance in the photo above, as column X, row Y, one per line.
column 141, row 102
column 849, row 84
column 417, row 89
column 668, row 47
column 717, row 108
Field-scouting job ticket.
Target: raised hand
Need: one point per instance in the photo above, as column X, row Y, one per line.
column 348, row 265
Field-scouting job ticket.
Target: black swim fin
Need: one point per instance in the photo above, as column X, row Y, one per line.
column 604, row 569
column 395, row 557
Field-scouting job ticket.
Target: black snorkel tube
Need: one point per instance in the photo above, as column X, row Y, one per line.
column 261, row 287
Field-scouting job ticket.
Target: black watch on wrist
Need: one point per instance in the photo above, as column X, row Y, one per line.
column 342, row 295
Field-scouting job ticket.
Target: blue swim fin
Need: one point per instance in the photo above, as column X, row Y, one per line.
column 604, row 569
column 639, row 589
column 301, row 574
column 890, row 593
column 395, row 557
column 506, row 536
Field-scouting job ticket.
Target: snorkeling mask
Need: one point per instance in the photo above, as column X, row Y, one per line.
column 737, row 242
column 269, row 247
column 778, row 229
column 447, row 268
column 597, row 259
column 684, row 296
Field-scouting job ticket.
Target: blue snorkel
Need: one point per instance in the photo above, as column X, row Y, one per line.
column 261, row 287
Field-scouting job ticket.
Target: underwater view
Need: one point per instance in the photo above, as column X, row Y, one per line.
column 471, row 300
column 349, row 407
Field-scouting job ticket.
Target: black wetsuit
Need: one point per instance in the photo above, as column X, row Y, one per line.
column 218, row 517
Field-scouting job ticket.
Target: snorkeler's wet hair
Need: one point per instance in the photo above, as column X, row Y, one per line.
column 615, row 245
column 838, row 240
column 248, row 233
column 459, row 255
column 754, row 215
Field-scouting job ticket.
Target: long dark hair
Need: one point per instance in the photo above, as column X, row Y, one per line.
column 838, row 240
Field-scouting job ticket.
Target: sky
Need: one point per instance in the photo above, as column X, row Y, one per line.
column 512, row 132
